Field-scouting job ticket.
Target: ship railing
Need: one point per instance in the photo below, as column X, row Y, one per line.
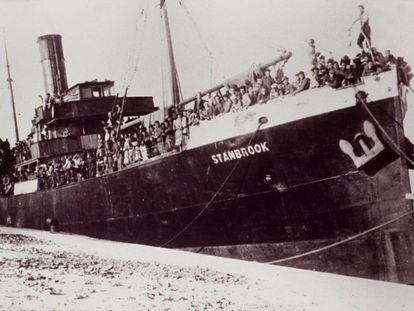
column 63, row 145
column 289, row 108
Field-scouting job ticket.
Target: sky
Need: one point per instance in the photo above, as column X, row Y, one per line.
column 213, row 40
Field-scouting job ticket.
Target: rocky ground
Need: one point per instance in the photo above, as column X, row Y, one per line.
column 37, row 274
column 43, row 271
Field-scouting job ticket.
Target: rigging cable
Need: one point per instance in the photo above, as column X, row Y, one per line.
column 163, row 78
column 353, row 237
column 233, row 169
column 131, row 50
column 384, row 224
column 210, row 54
column 394, row 145
column 279, row 189
column 137, row 59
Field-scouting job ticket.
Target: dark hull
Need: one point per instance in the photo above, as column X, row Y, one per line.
column 301, row 194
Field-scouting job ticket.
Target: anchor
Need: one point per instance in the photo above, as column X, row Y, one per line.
column 368, row 152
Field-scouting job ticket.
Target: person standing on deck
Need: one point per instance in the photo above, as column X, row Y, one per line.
column 185, row 130
column 365, row 30
column 312, row 54
column 268, row 79
column 178, row 128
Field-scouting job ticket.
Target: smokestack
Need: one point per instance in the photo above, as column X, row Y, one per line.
column 53, row 64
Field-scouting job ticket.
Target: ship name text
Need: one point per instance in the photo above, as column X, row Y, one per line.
column 240, row 153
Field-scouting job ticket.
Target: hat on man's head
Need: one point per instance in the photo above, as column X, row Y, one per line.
column 346, row 60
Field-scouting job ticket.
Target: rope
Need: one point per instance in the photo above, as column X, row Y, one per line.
column 199, row 250
column 396, row 147
column 163, row 74
column 368, row 45
column 210, row 54
column 140, row 39
column 121, row 114
column 321, row 180
column 132, row 50
column 213, row 196
column 218, row 201
column 390, row 117
column 353, row 237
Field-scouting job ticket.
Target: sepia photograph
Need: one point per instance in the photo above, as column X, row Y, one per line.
column 206, row 155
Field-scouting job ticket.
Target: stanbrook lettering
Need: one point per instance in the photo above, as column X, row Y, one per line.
column 240, row 153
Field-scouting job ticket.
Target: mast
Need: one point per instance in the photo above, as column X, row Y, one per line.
column 175, row 90
column 10, row 80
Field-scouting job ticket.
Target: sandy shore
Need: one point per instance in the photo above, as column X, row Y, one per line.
column 43, row 271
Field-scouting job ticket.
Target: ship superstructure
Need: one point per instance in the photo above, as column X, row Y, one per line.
column 69, row 120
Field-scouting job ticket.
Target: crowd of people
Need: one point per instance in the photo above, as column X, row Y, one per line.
column 7, row 160
column 66, row 170
column 22, row 150
column 6, row 186
column 347, row 72
column 119, row 149
column 263, row 87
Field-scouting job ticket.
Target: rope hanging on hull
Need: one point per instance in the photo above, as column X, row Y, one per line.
column 233, row 169
column 383, row 131
column 353, row 237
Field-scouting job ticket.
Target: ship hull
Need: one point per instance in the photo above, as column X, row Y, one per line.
column 289, row 191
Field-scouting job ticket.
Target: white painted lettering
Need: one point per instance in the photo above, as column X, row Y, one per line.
column 234, row 154
column 257, row 148
column 264, row 147
column 237, row 153
column 231, row 154
column 250, row 149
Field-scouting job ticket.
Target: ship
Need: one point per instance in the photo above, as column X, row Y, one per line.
column 319, row 180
